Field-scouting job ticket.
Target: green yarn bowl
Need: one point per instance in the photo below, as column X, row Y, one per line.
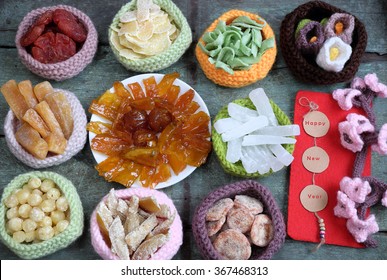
column 62, row 240
column 220, row 147
column 169, row 56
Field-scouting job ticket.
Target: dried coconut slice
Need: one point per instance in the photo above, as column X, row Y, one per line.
column 135, row 237
column 214, row 227
column 129, row 16
column 130, row 28
column 251, row 203
column 240, row 219
column 219, row 209
column 117, row 238
column 162, row 24
column 155, row 45
column 115, row 40
column 233, row 245
column 145, row 30
column 149, row 204
column 149, row 247
column 143, row 7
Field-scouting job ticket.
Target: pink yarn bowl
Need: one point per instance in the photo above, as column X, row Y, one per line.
column 166, row 252
column 75, row 143
column 66, row 69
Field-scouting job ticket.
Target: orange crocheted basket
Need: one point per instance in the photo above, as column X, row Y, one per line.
column 240, row 78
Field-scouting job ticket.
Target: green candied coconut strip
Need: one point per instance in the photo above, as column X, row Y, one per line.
column 236, row 46
column 62, row 240
column 166, row 58
column 220, row 147
column 301, row 25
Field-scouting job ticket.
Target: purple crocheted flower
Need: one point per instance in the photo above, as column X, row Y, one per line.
column 349, row 137
column 358, row 83
column 356, row 189
column 340, row 25
column 362, row 229
column 372, row 81
column 310, row 38
column 345, row 207
column 345, row 97
column 384, row 199
column 361, row 123
column 381, row 146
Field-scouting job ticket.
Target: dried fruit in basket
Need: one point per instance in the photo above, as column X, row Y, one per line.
column 30, row 140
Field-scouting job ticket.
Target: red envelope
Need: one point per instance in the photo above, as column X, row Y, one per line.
column 302, row 224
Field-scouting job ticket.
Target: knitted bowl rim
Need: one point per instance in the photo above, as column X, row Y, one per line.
column 239, row 76
column 75, row 143
column 300, row 66
column 247, row 187
column 172, row 52
column 176, row 229
column 88, row 24
column 56, row 243
column 220, row 147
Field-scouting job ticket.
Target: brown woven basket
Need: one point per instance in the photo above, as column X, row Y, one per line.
column 305, row 68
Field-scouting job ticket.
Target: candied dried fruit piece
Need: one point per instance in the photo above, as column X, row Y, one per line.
column 135, row 237
column 104, row 220
column 25, row 88
column 166, row 82
column 136, row 91
column 197, row 124
column 135, row 119
column 144, row 156
column 144, row 138
column 262, row 231
column 32, row 34
column 164, row 212
column 219, row 209
column 176, row 164
column 112, row 202
column 42, row 89
column 133, row 204
column 132, row 222
column 30, row 140
column 151, row 88
column 110, row 99
column 214, row 227
column 149, row 247
column 70, row 25
column 128, row 173
column 48, row 116
column 121, row 91
column 159, row 118
column 251, row 203
column 184, row 100
column 56, row 143
column 103, row 110
column 34, row 120
column 99, row 127
column 61, row 108
column 143, row 104
column 240, row 219
column 233, row 245
column 117, row 238
column 149, row 204
column 109, row 144
column 14, row 98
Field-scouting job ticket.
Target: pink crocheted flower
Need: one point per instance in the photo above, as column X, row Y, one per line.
column 348, row 22
column 345, row 97
column 372, row 81
column 362, row 229
column 384, row 199
column 349, row 137
column 361, row 123
column 356, row 189
column 345, row 207
column 381, row 146
column 358, row 83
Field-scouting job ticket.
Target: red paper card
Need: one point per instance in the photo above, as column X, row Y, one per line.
column 302, row 224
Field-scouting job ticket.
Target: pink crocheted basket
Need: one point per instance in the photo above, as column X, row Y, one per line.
column 75, row 143
column 66, row 69
column 166, row 252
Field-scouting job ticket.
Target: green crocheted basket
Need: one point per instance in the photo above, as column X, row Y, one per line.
column 62, row 240
column 166, row 58
column 220, row 147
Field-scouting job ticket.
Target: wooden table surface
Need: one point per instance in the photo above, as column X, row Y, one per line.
column 280, row 85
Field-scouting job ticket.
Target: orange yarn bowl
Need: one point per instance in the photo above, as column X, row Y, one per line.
column 240, row 78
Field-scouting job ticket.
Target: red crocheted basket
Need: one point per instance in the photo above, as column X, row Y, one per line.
column 307, row 69
column 66, row 69
column 250, row 188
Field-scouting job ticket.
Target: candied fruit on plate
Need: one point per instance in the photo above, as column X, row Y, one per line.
column 150, row 130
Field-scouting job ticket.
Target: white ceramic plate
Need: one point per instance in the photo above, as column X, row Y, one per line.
column 183, row 88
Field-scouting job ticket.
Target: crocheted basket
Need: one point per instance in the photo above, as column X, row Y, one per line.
column 166, row 58
column 220, row 147
column 66, row 69
column 240, row 78
column 62, row 240
column 307, row 69
column 250, row 188
column 74, row 144
column 166, row 252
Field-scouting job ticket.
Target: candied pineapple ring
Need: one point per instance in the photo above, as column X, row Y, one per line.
column 149, row 130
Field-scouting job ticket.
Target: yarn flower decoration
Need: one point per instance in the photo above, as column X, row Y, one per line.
column 345, row 207
column 361, row 229
column 333, row 54
column 361, row 123
column 358, row 83
column 346, row 97
column 381, row 146
column 372, row 81
column 350, row 138
column 310, row 37
column 340, row 25
column 356, row 189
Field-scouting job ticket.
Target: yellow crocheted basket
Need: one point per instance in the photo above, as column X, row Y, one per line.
column 240, row 78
